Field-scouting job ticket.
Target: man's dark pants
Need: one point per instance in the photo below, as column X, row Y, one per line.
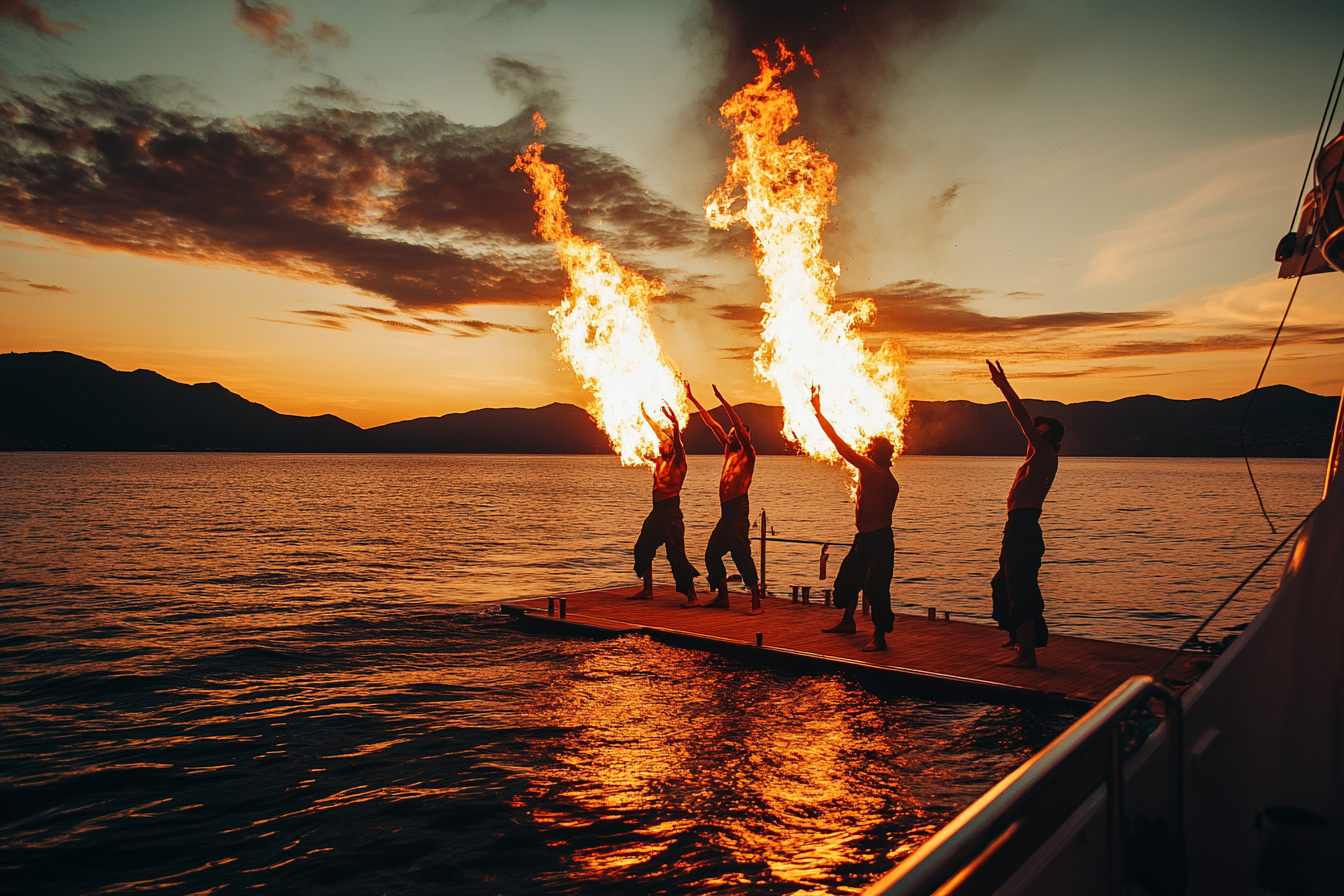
column 868, row 567
column 664, row 526
column 732, row 535
column 1016, row 586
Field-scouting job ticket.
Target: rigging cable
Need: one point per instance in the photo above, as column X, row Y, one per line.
column 1327, row 122
column 1235, row 591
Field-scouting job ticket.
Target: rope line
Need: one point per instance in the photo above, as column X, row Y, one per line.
column 1235, row 591
column 1327, row 122
column 1316, row 144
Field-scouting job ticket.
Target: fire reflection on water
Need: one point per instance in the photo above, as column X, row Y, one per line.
column 692, row 768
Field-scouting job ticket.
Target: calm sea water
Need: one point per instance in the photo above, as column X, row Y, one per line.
column 230, row 672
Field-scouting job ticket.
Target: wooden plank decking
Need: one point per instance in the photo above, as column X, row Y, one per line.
column 941, row 658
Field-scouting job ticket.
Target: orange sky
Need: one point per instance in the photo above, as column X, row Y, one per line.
column 315, row 209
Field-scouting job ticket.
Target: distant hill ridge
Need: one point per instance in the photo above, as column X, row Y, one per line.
column 57, row 401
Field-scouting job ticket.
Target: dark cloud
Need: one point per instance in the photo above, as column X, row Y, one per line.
column 855, row 45
column 402, row 204
column 387, row 317
column 31, row 16
column 269, row 24
column 921, row 308
column 10, row 278
column 1226, row 342
column 944, row 199
column 530, row 85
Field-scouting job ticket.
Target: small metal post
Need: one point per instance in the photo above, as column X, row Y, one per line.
column 550, row 606
column 763, row 550
column 826, row 593
column 760, row 639
column 793, row 594
column 563, row 602
column 807, row 594
column 933, row 614
column 1115, row 816
column 947, row 615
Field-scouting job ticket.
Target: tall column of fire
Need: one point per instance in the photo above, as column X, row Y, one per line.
column 784, row 191
column 602, row 325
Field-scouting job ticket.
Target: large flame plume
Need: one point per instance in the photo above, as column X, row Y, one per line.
column 782, row 191
column 603, row 325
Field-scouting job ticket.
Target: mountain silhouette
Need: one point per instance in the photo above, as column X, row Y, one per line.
column 57, row 401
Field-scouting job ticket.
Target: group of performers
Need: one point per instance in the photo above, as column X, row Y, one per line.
column 1017, row 603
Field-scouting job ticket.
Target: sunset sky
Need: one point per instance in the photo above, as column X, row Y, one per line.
column 310, row 202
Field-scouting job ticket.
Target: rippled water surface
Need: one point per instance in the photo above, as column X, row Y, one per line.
column 231, row 672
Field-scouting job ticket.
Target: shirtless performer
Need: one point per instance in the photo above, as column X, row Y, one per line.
column 1017, row 593
column 868, row 565
column 664, row 524
column 733, row 532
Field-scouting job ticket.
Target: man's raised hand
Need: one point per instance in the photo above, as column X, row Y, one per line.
column 997, row 375
column 816, row 399
column 689, row 396
column 668, row 413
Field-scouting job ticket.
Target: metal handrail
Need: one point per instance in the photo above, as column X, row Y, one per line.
column 985, row 844
column 1336, row 448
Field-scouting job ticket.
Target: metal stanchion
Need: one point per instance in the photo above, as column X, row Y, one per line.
column 550, row 606
column 807, row 594
column 760, row 639
column 933, row 614
column 563, row 602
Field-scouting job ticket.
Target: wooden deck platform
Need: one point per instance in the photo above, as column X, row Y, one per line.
column 942, row 659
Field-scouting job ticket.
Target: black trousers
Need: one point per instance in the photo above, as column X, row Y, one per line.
column 664, row 526
column 732, row 535
column 1016, row 586
column 868, row 567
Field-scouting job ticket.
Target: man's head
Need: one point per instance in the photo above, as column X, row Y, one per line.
column 665, row 448
column 733, row 441
column 1051, row 428
column 880, row 450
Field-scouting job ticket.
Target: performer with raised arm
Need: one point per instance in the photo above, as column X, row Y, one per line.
column 868, row 565
column 664, row 524
column 1018, row 605
column 733, row 532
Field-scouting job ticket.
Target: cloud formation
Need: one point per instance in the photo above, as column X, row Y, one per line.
column 389, row 318
column 269, row 24
column 400, row 203
column 31, row 16
column 937, row 325
column 10, row 283
column 921, row 308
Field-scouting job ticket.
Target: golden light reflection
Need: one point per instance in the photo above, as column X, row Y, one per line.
column 700, row 773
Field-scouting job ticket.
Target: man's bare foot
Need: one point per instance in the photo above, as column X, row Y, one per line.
column 1011, row 644
column 843, row 627
column 692, row 601
column 877, row 644
column 755, row 610
column 720, row 602
column 641, row 595
column 1019, row 662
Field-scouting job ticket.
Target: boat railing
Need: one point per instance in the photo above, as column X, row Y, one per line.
column 766, row 534
column 985, row 844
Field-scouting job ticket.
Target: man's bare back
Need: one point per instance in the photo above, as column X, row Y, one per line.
column 876, row 500
column 868, row 565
